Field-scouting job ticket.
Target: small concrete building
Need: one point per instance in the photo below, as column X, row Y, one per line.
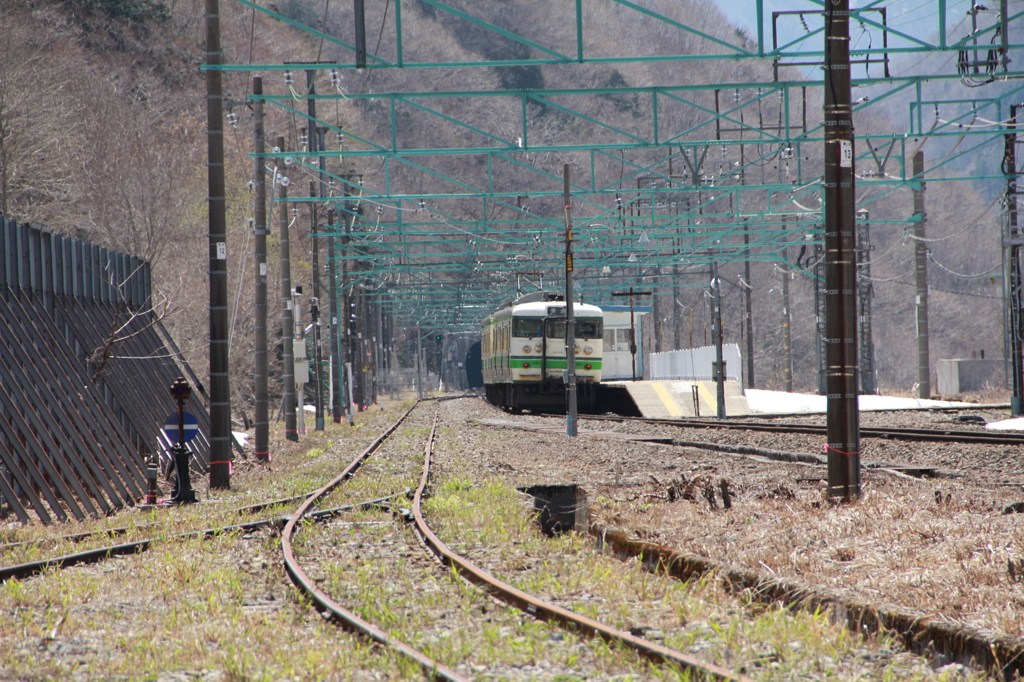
column 617, row 360
column 954, row 377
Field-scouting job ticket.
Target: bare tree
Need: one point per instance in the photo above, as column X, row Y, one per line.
column 40, row 121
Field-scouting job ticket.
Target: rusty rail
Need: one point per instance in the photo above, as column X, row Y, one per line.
column 324, row 602
column 546, row 611
column 22, row 571
column 912, row 434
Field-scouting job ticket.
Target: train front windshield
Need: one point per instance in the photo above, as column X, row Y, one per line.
column 585, row 329
column 526, row 326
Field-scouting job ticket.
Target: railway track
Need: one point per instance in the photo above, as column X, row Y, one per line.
column 363, row 533
column 390, row 525
column 909, row 434
column 319, row 565
column 31, row 568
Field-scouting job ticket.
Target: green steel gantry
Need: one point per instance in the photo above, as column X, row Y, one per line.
column 666, row 179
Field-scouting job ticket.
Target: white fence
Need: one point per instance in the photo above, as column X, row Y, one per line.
column 696, row 364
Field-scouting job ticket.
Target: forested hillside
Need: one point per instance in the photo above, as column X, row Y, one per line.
column 102, row 136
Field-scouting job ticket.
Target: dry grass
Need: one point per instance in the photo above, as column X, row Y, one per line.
column 896, row 546
column 219, row 609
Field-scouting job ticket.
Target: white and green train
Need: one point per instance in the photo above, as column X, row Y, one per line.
column 523, row 353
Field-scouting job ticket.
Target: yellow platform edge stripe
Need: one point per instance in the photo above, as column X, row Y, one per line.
column 667, row 400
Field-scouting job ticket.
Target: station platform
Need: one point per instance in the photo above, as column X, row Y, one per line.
column 666, row 399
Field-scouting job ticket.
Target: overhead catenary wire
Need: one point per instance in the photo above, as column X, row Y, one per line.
column 950, row 291
column 469, row 231
column 942, row 267
column 971, row 226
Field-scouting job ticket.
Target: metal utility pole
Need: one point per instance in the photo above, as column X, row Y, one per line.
column 356, row 320
column 820, row 316
column 787, row 321
column 1014, row 240
column 571, row 406
column 346, row 307
column 924, row 386
column 220, row 388
column 287, row 320
column 716, row 333
column 359, row 12
column 865, row 290
column 787, row 333
column 843, row 446
column 314, row 311
column 315, row 145
column 419, row 363
column 378, row 349
column 261, row 445
column 332, row 293
column 748, row 295
column 359, row 364
column 439, row 359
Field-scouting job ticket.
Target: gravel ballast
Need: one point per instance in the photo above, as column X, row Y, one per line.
column 941, row 548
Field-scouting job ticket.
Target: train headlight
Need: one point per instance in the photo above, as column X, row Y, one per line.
column 526, row 349
column 576, row 348
column 588, row 350
column 537, row 348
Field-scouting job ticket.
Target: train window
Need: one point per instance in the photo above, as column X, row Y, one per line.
column 588, row 329
column 556, row 311
column 622, row 340
column 527, row 327
column 585, row 329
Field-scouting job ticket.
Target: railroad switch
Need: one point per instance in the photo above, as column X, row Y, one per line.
column 151, row 487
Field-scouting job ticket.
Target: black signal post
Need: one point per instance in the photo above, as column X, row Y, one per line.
column 183, row 493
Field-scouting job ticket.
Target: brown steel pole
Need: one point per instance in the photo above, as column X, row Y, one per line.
column 220, row 388
column 843, row 426
column 924, row 385
column 748, row 295
column 718, row 338
column 632, row 331
column 261, row 445
column 787, row 320
column 332, row 291
column 1013, row 241
column 315, row 308
column 632, row 321
column 571, row 404
column 287, row 314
